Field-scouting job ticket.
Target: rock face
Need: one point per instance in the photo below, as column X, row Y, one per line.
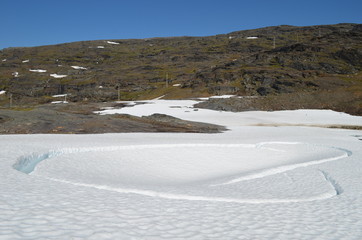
column 303, row 59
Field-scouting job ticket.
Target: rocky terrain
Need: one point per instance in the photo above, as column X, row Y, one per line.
column 274, row 68
column 80, row 119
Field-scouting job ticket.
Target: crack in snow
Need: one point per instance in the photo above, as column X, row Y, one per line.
column 27, row 164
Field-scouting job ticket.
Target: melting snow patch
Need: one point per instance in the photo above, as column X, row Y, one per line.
column 177, row 85
column 100, row 46
column 4, row 60
column 15, row 74
column 57, row 102
column 58, row 76
column 38, row 70
column 114, row 43
column 252, row 38
column 78, row 67
column 26, row 61
column 2, row 92
column 223, row 96
column 60, row 95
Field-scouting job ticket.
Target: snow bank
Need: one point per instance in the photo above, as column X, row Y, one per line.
column 184, row 109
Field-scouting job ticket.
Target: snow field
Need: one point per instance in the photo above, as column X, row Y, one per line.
column 252, row 182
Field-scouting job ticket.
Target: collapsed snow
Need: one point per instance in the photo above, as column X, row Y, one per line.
column 251, row 182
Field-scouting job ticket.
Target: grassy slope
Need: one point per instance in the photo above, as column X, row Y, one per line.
column 316, row 66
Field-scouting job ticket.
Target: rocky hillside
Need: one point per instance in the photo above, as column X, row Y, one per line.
column 273, row 64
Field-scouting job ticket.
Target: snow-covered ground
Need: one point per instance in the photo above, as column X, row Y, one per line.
column 251, row 182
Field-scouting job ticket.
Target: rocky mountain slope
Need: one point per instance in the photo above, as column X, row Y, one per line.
column 283, row 67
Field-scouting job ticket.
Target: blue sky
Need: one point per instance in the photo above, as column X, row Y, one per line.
column 44, row 22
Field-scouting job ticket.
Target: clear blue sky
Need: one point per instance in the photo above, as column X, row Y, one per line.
column 44, row 22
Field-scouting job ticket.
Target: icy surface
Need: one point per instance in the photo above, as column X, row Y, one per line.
column 252, row 182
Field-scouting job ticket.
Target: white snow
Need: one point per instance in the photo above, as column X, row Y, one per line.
column 26, row 61
column 60, row 95
column 38, row 70
column 54, row 75
column 100, row 46
column 114, row 43
column 176, row 85
column 4, row 60
column 78, row 67
column 15, row 74
column 2, row 92
column 58, row 102
column 251, row 182
column 251, row 37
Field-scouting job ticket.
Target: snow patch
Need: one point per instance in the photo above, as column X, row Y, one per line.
column 58, row 102
column 251, row 37
column 60, row 95
column 78, row 67
column 114, row 43
column 2, row 92
column 38, row 70
column 26, row 61
column 54, row 75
